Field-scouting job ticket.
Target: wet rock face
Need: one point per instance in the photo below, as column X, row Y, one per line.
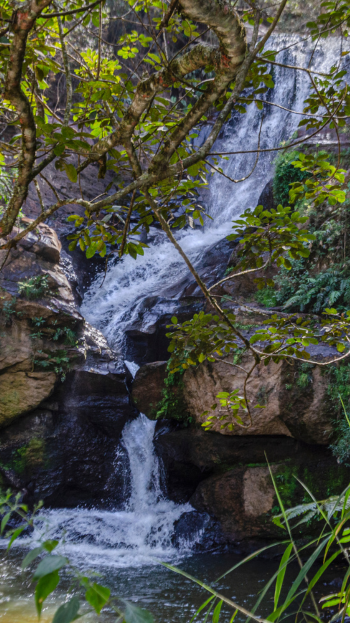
column 58, row 440
column 191, row 456
column 63, row 458
column 199, row 532
column 65, row 451
column 243, row 499
column 266, row 198
column 146, row 340
column 148, row 386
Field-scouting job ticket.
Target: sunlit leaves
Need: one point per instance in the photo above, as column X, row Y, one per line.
column 203, row 337
column 230, row 404
column 45, row 586
column 326, row 182
column 274, row 233
column 97, row 596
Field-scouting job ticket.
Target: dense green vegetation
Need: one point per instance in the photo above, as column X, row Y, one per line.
column 286, row 174
column 172, row 405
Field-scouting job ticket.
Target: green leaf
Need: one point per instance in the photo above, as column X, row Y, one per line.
column 303, row 572
column 44, row 588
column 97, row 596
column 48, row 565
column 67, row 612
column 217, row 610
column 50, row 545
column 73, row 245
column 202, row 607
column 31, row 556
column 71, row 172
column 281, row 572
column 90, row 251
column 4, row 521
column 15, row 535
column 134, row 614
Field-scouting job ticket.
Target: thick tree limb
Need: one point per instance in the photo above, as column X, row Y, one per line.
column 198, row 57
column 225, row 23
column 23, row 22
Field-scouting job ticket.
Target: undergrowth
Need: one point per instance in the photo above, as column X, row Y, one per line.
column 285, row 174
column 172, row 405
column 34, row 287
column 339, row 398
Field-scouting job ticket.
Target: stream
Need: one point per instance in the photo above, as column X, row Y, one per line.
column 126, row 546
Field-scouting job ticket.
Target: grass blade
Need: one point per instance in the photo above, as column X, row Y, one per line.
column 281, row 572
column 202, row 608
column 213, row 592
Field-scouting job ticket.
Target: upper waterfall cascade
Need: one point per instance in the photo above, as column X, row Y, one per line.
column 116, row 305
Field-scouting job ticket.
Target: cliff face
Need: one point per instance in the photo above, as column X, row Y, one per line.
column 63, row 397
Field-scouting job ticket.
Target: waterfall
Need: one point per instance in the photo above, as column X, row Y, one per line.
column 138, row 535
column 118, row 303
column 143, row 530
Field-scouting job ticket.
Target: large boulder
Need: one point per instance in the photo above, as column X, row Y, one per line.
column 192, row 455
column 244, row 501
column 295, row 401
column 23, row 391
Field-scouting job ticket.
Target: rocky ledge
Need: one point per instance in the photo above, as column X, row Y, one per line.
column 63, row 397
column 225, row 473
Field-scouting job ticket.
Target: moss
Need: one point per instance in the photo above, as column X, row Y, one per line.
column 29, row 457
column 266, row 297
column 287, row 484
column 34, row 287
column 172, row 405
column 338, row 390
column 304, row 377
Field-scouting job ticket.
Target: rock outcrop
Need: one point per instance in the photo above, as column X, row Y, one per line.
column 289, row 408
column 63, row 397
column 243, row 500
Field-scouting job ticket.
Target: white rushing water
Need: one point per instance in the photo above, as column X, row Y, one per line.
column 140, row 534
column 116, row 305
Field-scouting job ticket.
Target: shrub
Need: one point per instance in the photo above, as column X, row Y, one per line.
column 339, row 393
column 34, row 287
column 285, row 174
column 172, row 404
column 298, row 290
column 266, row 297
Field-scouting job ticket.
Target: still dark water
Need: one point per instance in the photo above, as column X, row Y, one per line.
column 170, row 597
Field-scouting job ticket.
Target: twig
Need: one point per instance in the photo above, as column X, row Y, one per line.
column 127, row 223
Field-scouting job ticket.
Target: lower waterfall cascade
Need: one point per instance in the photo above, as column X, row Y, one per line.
column 142, row 531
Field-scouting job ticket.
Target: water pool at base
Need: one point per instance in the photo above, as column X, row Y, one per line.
column 170, row 597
